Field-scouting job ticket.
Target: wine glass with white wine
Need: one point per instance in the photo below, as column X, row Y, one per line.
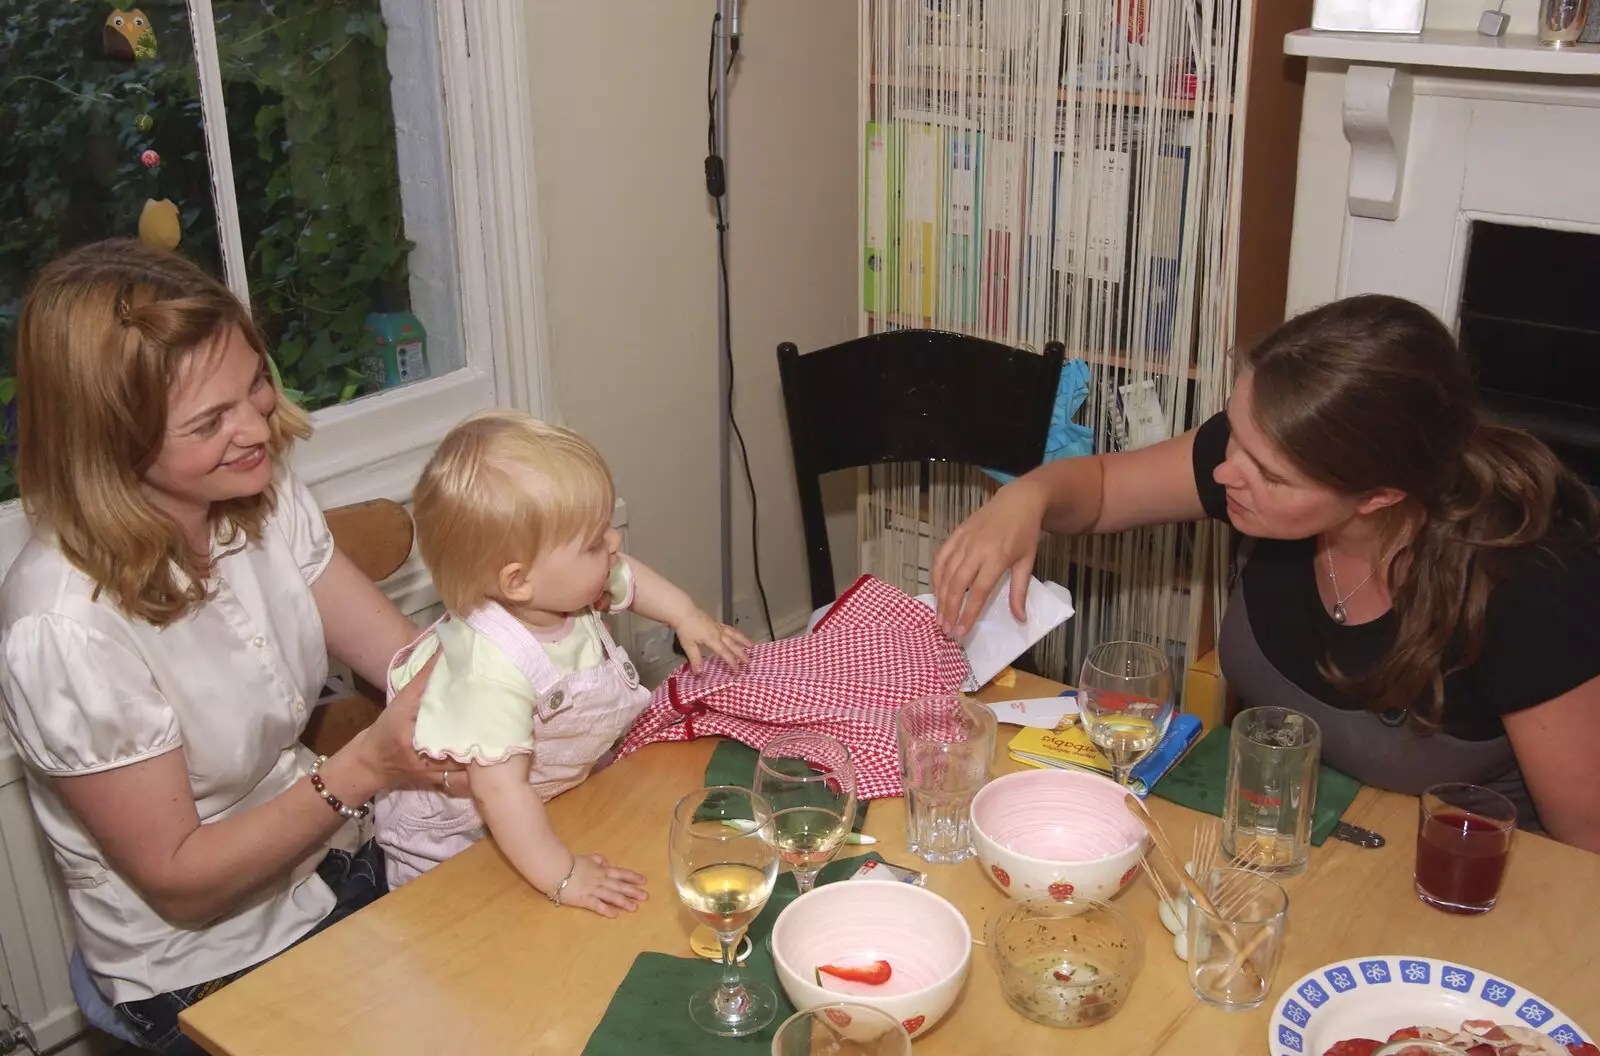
column 724, row 863
column 1125, row 698
column 808, row 781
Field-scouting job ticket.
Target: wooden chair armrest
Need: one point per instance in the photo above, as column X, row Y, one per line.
column 335, row 722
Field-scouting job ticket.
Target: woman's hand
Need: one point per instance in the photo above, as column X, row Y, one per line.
column 1002, row 536
column 698, row 631
column 387, row 748
column 602, row 887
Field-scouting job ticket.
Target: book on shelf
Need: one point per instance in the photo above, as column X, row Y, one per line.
column 1163, row 248
column 1068, row 747
column 877, row 260
column 999, row 215
column 1092, row 199
column 920, row 169
column 963, row 149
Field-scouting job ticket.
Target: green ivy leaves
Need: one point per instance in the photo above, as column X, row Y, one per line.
column 312, row 136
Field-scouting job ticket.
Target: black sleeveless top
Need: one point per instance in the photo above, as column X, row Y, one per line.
column 1541, row 639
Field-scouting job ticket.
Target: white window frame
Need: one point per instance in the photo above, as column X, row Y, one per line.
column 375, row 447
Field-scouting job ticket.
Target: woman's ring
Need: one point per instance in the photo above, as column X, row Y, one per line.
column 447, row 780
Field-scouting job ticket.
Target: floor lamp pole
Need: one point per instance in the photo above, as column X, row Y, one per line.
column 727, row 36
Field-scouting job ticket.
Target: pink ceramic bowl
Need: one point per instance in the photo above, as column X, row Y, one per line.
column 1056, row 834
column 855, row 922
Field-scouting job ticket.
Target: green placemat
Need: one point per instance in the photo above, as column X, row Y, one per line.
column 649, row 1013
column 1199, row 783
column 734, row 763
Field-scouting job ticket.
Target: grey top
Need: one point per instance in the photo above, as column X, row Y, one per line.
column 1370, row 748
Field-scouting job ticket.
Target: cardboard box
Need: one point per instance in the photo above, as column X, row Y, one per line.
column 1204, row 695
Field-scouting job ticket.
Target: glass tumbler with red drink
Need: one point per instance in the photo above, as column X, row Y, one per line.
column 1463, row 837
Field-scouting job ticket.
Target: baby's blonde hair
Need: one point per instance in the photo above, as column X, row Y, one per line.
column 504, row 487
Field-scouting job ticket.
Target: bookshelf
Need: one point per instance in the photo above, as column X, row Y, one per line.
column 1105, row 173
column 986, row 87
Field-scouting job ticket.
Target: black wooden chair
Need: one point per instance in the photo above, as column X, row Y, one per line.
column 910, row 396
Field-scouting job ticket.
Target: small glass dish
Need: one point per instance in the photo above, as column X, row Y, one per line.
column 1066, row 964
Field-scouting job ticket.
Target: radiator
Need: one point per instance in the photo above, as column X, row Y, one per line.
column 35, row 930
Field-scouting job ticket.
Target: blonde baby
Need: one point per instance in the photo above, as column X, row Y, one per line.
column 514, row 522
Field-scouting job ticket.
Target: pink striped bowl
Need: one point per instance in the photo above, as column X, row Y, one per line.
column 1056, row 834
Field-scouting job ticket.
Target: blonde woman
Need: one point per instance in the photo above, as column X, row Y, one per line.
column 165, row 633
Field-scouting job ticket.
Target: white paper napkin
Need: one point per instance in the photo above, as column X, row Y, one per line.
column 997, row 638
column 1044, row 713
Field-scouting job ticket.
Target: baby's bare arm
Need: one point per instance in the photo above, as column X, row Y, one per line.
column 517, row 819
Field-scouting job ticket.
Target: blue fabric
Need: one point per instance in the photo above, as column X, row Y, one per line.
column 1066, row 439
column 96, row 1009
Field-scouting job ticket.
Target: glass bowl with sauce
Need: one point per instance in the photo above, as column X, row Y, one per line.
column 1068, row 963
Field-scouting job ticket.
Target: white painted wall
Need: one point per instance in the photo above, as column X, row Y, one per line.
column 1463, row 14
column 630, row 266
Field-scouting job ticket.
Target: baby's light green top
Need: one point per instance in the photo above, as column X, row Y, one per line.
column 479, row 706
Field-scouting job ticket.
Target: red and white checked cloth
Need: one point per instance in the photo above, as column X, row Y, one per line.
column 876, row 650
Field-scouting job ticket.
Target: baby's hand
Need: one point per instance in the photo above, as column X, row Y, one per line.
column 602, row 887
column 699, row 631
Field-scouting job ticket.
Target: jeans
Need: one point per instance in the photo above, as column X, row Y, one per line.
column 357, row 879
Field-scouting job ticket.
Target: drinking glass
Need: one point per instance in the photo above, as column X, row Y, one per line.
column 1234, row 952
column 841, row 1029
column 724, row 864
column 1271, row 791
column 946, row 743
column 1463, row 837
column 807, row 780
column 1125, row 698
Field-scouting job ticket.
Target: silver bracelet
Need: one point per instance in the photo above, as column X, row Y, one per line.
column 555, row 896
column 347, row 813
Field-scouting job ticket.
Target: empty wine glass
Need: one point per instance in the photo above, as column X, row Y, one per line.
column 807, row 780
column 724, row 864
column 1125, row 698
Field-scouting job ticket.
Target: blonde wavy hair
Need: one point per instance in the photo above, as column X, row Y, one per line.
column 504, row 487
column 103, row 335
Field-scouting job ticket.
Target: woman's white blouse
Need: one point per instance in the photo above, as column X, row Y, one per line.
column 231, row 685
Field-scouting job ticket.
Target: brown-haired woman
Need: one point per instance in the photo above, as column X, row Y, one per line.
column 1424, row 584
column 165, row 633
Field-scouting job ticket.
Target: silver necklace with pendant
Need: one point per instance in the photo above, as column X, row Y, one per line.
column 1340, row 613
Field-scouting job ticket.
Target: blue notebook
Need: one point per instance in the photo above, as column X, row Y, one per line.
column 1182, row 734
column 1069, row 747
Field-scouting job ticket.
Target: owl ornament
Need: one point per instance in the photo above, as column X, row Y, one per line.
column 128, row 36
column 158, row 224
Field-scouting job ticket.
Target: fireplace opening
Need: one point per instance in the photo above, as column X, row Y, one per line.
column 1530, row 324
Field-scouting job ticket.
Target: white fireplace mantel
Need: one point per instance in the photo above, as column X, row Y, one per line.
column 1380, row 85
column 1453, row 48
column 1473, row 130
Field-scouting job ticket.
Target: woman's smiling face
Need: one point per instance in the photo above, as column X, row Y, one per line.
column 217, row 428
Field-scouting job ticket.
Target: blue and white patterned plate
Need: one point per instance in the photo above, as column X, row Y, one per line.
column 1372, row 997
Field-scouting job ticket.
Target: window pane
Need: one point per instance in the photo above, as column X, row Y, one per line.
column 335, row 122
column 100, row 136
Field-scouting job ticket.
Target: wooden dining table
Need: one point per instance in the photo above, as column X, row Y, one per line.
column 470, row 959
